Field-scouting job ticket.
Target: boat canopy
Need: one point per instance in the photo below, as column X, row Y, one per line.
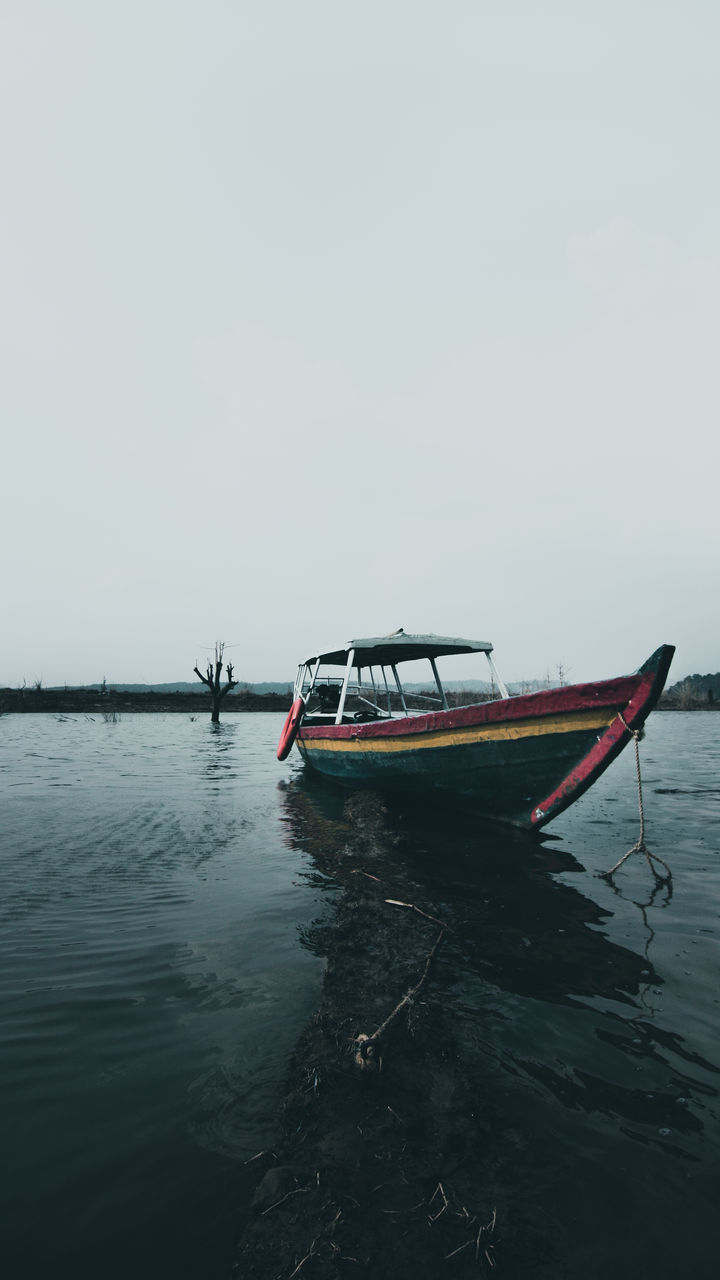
column 398, row 647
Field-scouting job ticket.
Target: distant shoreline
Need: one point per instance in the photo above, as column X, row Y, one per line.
column 113, row 702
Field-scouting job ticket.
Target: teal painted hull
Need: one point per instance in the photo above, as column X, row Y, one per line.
column 493, row 779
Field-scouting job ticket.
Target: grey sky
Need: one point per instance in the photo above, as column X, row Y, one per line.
column 320, row 319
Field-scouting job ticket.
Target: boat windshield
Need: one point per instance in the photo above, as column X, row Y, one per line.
column 340, row 692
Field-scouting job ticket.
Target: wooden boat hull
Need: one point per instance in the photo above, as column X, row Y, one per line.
column 521, row 760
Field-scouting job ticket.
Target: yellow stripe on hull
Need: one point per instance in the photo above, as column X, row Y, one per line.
column 572, row 722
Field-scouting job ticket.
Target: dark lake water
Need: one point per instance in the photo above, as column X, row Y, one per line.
column 158, row 878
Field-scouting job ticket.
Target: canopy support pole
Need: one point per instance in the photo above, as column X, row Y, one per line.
column 503, row 690
column 438, row 682
column 400, row 689
column 343, row 694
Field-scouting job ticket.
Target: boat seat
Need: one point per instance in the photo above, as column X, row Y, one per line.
column 328, row 696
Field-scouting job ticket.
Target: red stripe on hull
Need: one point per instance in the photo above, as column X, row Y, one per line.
column 579, row 697
column 653, row 675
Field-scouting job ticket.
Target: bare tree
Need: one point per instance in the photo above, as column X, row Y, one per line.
column 213, row 679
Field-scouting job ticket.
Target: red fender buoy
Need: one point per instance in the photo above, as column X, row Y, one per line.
column 290, row 728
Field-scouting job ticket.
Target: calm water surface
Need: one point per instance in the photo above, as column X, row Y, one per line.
column 158, row 878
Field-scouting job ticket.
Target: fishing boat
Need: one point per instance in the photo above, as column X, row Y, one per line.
column 520, row 758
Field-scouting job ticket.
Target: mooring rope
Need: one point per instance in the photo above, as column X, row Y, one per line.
column 368, row 1054
column 640, row 845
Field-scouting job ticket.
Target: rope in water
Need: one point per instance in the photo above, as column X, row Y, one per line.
column 367, row 1054
column 640, row 845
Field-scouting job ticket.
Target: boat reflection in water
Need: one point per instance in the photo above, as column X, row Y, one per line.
column 593, row 1101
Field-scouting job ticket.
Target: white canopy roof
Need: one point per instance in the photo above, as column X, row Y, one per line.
column 399, row 647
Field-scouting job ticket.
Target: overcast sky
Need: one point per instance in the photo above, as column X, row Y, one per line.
column 321, row 319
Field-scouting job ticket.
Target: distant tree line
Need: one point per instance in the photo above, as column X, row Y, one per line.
column 94, row 700
column 694, row 693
